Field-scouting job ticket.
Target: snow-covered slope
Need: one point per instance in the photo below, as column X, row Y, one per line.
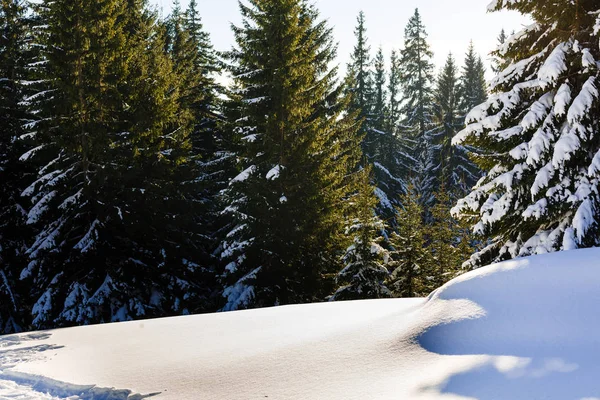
column 525, row 329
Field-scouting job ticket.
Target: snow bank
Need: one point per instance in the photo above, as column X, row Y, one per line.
column 524, row 329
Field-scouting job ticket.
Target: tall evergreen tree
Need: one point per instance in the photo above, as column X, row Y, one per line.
column 368, row 98
column 455, row 169
column 393, row 90
column 364, row 272
column 14, row 60
column 416, row 74
column 108, row 205
column 195, row 64
column 497, row 62
column 360, row 69
column 448, row 243
column 298, row 160
column 408, row 255
column 537, row 135
column 379, row 103
column 472, row 81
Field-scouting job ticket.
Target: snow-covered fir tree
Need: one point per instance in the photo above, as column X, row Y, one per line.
column 455, row 170
column 408, row 257
column 497, row 62
column 195, row 63
column 538, row 135
column 108, row 204
column 416, row 76
column 473, row 87
column 448, row 243
column 15, row 56
column 360, row 71
column 298, row 159
column 379, row 91
column 379, row 145
column 364, row 273
column 392, row 118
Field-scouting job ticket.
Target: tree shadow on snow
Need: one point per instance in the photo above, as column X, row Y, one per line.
column 548, row 330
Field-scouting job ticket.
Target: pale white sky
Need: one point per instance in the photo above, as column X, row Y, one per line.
column 451, row 24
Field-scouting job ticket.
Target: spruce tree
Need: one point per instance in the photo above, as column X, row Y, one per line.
column 448, row 243
column 537, row 135
column 455, row 169
column 195, row 64
column 379, row 103
column 473, row 86
column 393, row 90
column 298, row 161
column 14, row 59
column 386, row 157
column 109, row 207
column 364, row 272
column 416, row 75
column 497, row 62
column 408, row 255
column 360, row 69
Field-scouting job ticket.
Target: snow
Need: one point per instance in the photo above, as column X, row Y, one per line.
column 522, row 329
column 555, row 65
column 274, row 173
column 583, row 102
column 245, row 174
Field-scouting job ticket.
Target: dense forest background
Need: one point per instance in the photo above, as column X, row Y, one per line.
column 134, row 185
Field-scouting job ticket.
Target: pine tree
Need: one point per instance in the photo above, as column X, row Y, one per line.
column 497, row 62
column 448, row 243
column 113, row 242
column 393, row 89
column 408, row 255
column 537, row 138
column 14, row 59
column 416, row 75
column 298, row 162
column 384, row 144
column 195, row 64
column 379, row 103
column 455, row 170
column 472, row 81
column 364, row 272
column 360, row 69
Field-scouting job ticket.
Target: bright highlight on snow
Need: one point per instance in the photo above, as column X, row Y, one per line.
column 522, row 329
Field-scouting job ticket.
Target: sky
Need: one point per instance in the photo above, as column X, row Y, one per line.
column 451, row 24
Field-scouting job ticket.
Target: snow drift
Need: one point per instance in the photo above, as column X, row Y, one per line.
column 524, row 329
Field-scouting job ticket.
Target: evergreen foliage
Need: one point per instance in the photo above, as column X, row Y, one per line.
column 210, row 165
column 379, row 103
column 368, row 98
column 393, row 90
column 448, row 243
column 364, row 272
column 135, row 186
column 360, row 69
column 408, row 265
column 455, row 170
column 15, row 56
column 298, row 160
column 497, row 62
column 416, row 75
column 108, row 205
column 537, row 137
column 472, row 81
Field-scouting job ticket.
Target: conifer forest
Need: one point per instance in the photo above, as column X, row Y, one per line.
column 137, row 183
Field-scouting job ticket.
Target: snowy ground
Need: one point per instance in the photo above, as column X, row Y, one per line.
column 526, row 329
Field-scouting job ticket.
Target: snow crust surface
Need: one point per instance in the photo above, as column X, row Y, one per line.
column 523, row 329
